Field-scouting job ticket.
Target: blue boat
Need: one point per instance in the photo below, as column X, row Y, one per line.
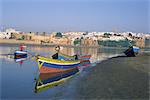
column 20, row 54
column 132, row 51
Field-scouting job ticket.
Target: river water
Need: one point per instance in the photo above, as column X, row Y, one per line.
column 18, row 79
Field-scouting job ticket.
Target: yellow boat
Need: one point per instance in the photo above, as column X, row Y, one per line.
column 47, row 65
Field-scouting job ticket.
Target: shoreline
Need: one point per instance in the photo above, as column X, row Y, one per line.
column 13, row 42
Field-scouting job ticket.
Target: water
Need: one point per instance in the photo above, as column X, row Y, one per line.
column 18, row 80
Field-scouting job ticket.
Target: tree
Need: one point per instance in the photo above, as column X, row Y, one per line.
column 58, row 34
column 106, row 35
column 130, row 34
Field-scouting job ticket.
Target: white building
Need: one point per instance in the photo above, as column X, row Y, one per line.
column 114, row 38
column 5, row 35
column 8, row 33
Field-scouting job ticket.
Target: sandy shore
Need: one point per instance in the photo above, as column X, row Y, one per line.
column 17, row 42
column 117, row 78
column 13, row 41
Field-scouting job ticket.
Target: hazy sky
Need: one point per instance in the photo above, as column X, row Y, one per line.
column 76, row 15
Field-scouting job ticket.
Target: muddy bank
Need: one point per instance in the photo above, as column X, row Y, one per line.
column 117, row 78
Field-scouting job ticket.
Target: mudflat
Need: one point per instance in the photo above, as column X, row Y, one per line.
column 117, row 78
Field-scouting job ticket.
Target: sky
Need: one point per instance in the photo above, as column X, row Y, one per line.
column 75, row 15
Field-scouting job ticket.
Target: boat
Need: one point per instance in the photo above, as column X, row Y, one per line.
column 66, row 57
column 84, row 57
column 132, row 51
column 48, row 65
column 79, row 57
column 85, row 63
column 20, row 54
column 48, row 80
column 62, row 56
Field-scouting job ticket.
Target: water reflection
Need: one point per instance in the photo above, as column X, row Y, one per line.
column 12, row 58
column 48, row 80
column 84, row 64
column 20, row 60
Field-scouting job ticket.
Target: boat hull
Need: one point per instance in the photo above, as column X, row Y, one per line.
column 85, row 57
column 47, row 65
column 20, row 54
column 44, row 76
column 45, row 69
column 132, row 51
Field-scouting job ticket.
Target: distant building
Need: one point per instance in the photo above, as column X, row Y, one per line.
column 8, row 33
column 5, row 35
column 79, row 38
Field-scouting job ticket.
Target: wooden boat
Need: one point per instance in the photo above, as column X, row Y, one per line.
column 67, row 57
column 20, row 54
column 84, row 57
column 132, row 51
column 85, row 63
column 48, row 80
column 48, row 65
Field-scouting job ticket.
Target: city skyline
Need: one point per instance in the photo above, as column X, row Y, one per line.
column 65, row 15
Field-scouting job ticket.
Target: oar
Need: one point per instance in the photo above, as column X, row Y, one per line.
column 6, row 54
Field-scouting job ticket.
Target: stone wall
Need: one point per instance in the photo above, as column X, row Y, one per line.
column 39, row 38
column 89, row 42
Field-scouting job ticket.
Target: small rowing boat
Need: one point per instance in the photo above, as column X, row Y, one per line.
column 62, row 56
column 132, row 51
column 84, row 57
column 20, row 54
column 48, row 65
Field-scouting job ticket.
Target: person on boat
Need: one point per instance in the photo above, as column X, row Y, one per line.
column 55, row 56
column 21, row 47
column 76, row 57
